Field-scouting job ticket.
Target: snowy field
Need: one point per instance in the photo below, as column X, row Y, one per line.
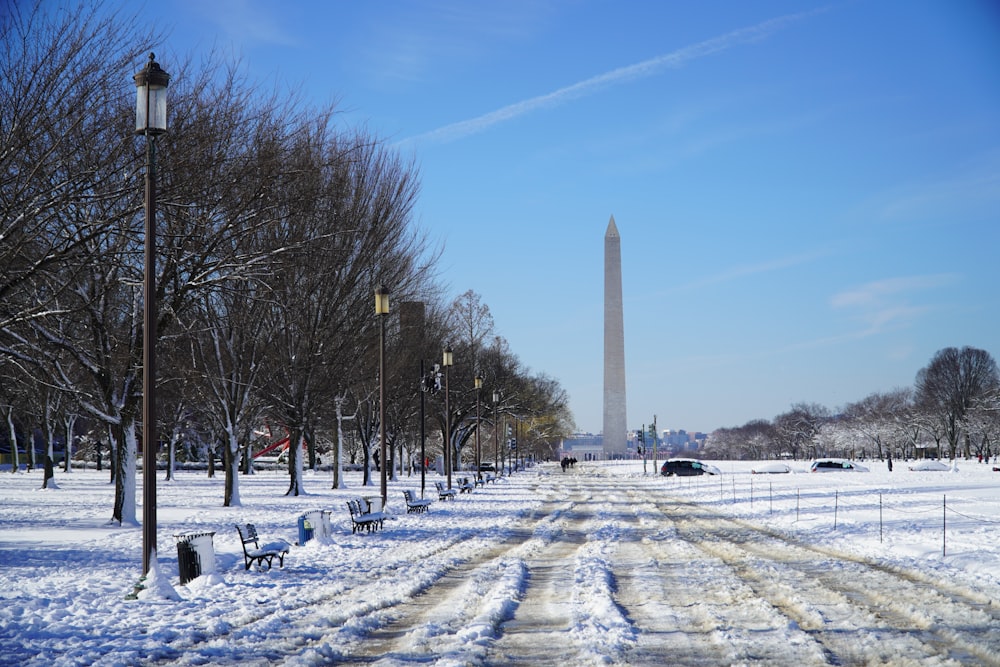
column 598, row 565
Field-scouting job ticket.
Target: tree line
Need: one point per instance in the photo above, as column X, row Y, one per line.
column 952, row 410
column 275, row 224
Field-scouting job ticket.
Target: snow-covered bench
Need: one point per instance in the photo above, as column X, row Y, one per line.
column 416, row 505
column 260, row 554
column 465, row 486
column 443, row 493
column 361, row 519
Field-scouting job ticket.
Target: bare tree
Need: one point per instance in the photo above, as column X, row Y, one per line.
column 345, row 218
column 951, row 384
column 982, row 423
column 57, row 156
column 798, row 428
column 878, row 418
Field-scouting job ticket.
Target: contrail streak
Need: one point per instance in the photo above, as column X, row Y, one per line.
column 646, row 68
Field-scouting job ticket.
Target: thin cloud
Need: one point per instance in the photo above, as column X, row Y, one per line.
column 883, row 305
column 877, row 292
column 879, row 307
column 675, row 59
column 250, row 21
column 746, row 270
column 971, row 191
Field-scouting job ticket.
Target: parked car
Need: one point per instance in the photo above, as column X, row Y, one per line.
column 836, row 465
column 486, row 467
column 686, row 468
column 930, row 465
column 771, row 468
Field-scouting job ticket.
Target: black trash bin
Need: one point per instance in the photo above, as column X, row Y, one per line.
column 195, row 555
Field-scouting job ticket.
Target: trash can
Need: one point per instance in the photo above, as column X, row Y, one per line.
column 195, row 555
column 305, row 529
column 315, row 523
column 321, row 525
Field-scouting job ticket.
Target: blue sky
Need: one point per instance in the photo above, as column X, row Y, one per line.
column 808, row 194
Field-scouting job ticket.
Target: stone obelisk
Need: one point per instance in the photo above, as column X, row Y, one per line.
column 615, row 427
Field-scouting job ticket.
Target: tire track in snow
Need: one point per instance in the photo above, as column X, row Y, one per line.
column 547, row 600
column 457, row 619
column 569, row 614
column 688, row 607
column 858, row 612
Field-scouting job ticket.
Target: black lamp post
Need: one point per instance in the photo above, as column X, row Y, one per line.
column 423, row 461
column 479, row 386
column 151, row 120
column 382, row 310
column 447, row 361
column 496, row 433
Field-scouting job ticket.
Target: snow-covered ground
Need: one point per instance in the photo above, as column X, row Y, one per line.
column 598, row 565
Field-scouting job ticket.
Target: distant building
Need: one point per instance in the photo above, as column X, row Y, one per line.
column 680, row 439
column 583, row 447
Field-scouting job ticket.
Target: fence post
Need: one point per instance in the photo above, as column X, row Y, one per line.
column 880, row 517
column 836, row 501
column 944, row 526
column 796, row 505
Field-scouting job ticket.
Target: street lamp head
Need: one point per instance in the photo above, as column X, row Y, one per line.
column 151, row 99
column 496, row 397
column 381, row 300
column 479, row 382
column 448, row 359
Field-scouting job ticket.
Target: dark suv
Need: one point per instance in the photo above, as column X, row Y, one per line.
column 683, row 467
column 838, row 465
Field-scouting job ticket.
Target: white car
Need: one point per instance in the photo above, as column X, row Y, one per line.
column 771, row 468
column 930, row 465
column 836, row 465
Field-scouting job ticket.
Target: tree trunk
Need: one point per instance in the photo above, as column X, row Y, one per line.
column 49, row 481
column 12, row 433
column 125, row 473
column 231, row 462
column 112, row 455
column 70, row 424
column 172, row 452
column 295, row 462
column 211, row 461
column 338, row 463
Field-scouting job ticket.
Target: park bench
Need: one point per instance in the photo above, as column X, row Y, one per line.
column 443, row 493
column 489, row 477
column 465, row 486
column 415, row 505
column 259, row 554
column 360, row 519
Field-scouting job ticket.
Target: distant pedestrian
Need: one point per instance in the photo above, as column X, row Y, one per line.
column 889, row 462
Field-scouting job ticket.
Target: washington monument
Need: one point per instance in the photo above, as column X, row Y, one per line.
column 615, row 426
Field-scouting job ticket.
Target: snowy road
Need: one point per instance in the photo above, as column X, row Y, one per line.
column 603, row 574
column 601, row 565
